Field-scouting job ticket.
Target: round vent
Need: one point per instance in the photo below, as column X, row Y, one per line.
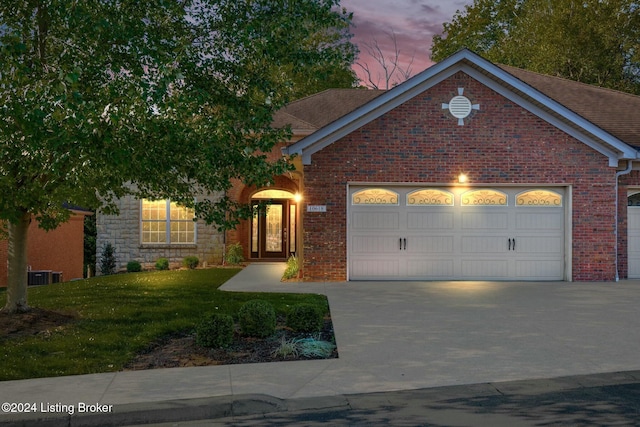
column 460, row 107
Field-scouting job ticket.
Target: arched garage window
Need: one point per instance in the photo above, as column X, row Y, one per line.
column 484, row 198
column 430, row 197
column 539, row 198
column 375, row 196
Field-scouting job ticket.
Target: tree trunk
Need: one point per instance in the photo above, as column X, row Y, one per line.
column 17, row 258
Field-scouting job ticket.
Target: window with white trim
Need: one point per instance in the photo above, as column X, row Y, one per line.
column 165, row 222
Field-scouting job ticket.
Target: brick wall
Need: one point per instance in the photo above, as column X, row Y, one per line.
column 61, row 249
column 500, row 144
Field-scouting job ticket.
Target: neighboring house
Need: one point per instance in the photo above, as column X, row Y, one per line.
column 467, row 171
column 60, row 251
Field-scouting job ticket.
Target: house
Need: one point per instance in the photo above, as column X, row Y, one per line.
column 60, row 250
column 467, row 171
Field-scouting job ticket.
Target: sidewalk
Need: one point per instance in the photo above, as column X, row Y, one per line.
column 391, row 336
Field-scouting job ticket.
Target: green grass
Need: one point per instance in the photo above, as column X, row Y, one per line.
column 121, row 315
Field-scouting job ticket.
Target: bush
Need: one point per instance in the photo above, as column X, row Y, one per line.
column 292, row 268
column 305, row 318
column 234, row 254
column 215, row 330
column 162, row 264
column 191, row 262
column 257, row 318
column 108, row 260
column 133, row 267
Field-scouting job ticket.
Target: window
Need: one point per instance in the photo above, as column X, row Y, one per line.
column 484, row 198
column 165, row 222
column 539, row 198
column 375, row 196
column 430, row 197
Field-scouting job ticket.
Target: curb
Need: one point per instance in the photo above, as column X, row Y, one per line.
column 212, row 408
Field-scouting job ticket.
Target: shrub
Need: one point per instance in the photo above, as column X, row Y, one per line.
column 312, row 347
column 257, row 318
column 108, row 260
column 234, row 254
column 215, row 330
column 287, row 348
column 292, row 268
column 133, row 267
column 305, row 318
column 162, row 264
column 191, row 262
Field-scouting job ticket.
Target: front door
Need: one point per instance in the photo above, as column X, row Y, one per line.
column 270, row 229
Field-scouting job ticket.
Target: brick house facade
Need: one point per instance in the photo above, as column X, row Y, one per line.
column 551, row 189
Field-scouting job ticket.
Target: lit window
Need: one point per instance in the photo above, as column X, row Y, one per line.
column 165, row 222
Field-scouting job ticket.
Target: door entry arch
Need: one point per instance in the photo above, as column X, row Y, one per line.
column 274, row 224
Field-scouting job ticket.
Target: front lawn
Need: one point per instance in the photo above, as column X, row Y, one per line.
column 120, row 315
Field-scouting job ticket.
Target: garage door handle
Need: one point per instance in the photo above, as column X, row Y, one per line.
column 405, row 244
column 514, row 244
column 400, row 239
column 509, row 243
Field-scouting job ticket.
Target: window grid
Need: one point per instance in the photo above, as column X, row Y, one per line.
column 165, row 222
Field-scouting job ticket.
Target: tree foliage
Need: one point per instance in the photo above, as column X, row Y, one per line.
column 591, row 41
column 158, row 99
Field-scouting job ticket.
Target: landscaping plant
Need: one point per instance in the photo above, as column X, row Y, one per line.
column 234, row 254
column 162, row 264
column 190, row 262
column 257, row 318
column 108, row 260
column 134, row 267
column 305, row 318
column 215, row 331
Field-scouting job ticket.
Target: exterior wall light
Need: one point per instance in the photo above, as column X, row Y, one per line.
column 462, row 178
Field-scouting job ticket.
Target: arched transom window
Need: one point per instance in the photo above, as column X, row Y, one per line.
column 484, row 198
column 540, row 198
column 430, row 197
column 375, row 196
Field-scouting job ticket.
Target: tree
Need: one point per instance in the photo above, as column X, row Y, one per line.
column 157, row 99
column 387, row 70
column 591, row 41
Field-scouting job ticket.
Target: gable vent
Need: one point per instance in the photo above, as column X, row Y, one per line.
column 460, row 107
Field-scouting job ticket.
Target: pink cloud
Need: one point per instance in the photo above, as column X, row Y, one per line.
column 414, row 23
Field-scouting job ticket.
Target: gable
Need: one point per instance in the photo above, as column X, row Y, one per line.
column 490, row 75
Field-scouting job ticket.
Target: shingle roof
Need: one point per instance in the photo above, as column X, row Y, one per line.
column 318, row 110
column 617, row 113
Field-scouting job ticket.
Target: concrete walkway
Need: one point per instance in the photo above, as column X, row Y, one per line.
column 395, row 336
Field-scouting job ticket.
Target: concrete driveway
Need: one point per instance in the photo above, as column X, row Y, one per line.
column 407, row 335
column 396, row 336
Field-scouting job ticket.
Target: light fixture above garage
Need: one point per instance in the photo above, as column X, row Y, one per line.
column 462, row 178
column 460, row 107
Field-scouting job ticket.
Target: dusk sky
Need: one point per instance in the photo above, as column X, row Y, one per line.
column 413, row 21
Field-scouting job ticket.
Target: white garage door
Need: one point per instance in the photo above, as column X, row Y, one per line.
column 633, row 235
column 409, row 233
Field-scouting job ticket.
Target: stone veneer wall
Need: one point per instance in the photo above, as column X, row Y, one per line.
column 123, row 232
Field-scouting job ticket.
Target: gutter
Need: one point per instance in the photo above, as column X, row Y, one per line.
column 618, row 175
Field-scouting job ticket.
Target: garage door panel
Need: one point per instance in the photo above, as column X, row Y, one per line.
column 538, row 269
column 484, row 244
column 484, row 269
column 430, row 244
column 374, row 244
column 432, row 268
column 375, row 268
column 430, row 220
column 550, row 245
column 540, row 220
column 633, row 241
column 485, row 220
column 376, row 221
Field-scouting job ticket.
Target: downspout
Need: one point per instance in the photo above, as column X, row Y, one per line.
column 618, row 175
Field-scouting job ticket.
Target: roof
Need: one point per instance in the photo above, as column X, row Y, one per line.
column 316, row 111
column 601, row 118
column 614, row 111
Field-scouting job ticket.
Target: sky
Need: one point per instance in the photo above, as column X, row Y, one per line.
column 414, row 23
